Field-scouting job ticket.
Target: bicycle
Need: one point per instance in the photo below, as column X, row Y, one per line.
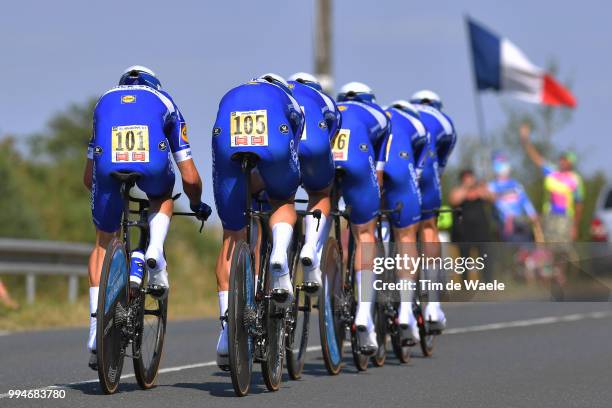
column 427, row 334
column 257, row 315
column 298, row 320
column 337, row 304
column 386, row 312
column 126, row 311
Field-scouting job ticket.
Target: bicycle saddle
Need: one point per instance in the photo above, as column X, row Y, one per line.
column 127, row 177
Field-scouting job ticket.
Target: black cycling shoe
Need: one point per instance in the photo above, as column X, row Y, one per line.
column 157, row 291
column 93, row 360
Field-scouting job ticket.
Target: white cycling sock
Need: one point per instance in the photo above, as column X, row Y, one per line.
column 282, row 233
column 158, row 229
column 222, row 302
column 405, row 310
column 364, row 299
column 93, row 321
column 312, row 235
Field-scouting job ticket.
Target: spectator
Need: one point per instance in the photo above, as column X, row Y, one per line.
column 563, row 189
column 472, row 228
column 6, row 299
column 517, row 219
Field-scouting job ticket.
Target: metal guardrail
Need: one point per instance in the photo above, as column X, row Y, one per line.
column 34, row 257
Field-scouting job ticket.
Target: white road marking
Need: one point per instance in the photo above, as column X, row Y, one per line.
column 457, row 330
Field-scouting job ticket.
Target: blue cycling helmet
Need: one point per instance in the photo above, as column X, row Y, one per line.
column 356, row 91
column 139, row 75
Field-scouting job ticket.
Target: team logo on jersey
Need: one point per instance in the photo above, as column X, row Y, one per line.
column 184, row 133
column 291, row 86
column 404, row 155
column 323, row 124
column 342, row 108
column 97, row 151
column 388, row 114
column 128, row 99
column 363, row 147
column 216, row 131
column 162, row 145
column 284, row 128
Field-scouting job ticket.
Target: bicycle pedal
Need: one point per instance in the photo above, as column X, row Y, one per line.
column 311, row 288
column 224, row 367
column 280, row 296
column 158, row 292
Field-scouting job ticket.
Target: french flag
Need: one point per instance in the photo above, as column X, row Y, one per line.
column 501, row 66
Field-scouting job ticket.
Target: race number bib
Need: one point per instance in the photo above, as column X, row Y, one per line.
column 341, row 144
column 130, row 144
column 249, row 128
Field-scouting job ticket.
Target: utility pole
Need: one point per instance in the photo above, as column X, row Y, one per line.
column 322, row 45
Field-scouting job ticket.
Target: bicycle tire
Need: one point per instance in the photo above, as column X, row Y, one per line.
column 360, row 360
column 274, row 321
column 241, row 303
column 402, row 353
column 331, row 327
column 112, row 304
column 146, row 365
column 427, row 340
column 380, row 324
column 298, row 329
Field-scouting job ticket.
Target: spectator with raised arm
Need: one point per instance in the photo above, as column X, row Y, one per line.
column 563, row 189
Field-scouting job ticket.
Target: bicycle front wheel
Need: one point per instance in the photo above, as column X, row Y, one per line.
column 241, row 317
column 149, row 343
column 111, row 316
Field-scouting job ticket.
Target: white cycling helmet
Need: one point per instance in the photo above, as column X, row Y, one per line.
column 404, row 105
column 304, row 77
column 274, row 79
column 139, row 75
column 427, row 97
column 356, row 90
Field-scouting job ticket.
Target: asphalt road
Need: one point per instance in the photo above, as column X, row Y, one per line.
column 492, row 355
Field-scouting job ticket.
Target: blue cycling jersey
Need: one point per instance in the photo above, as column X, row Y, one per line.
column 261, row 118
column 136, row 128
column 322, row 121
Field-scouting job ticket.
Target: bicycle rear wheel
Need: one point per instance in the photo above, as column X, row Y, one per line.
column 297, row 327
column 331, row 326
column 147, row 348
column 111, row 316
column 427, row 340
column 274, row 321
column 241, row 316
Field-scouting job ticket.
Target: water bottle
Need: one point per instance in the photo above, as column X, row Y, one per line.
column 137, row 267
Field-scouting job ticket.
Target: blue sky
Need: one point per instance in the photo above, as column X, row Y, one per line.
column 55, row 53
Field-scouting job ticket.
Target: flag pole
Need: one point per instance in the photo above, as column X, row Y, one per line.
column 480, row 118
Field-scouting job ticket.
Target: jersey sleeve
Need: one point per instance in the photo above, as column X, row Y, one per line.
column 444, row 147
column 90, row 145
column 382, row 155
column 175, row 129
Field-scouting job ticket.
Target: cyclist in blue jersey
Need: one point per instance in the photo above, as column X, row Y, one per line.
column 322, row 121
column 137, row 127
column 442, row 138
column 355, row 149
column 400, row 152
column 261, row 117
